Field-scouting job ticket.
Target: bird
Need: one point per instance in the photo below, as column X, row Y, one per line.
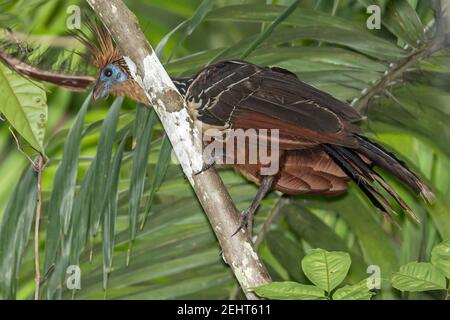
column 321, row 145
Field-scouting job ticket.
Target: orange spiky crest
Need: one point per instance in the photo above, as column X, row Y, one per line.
column 103, row 53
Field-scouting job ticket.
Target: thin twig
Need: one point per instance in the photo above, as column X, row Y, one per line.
column 397, row 70
column 271, row 219
column 38, row 165
column 41, row 162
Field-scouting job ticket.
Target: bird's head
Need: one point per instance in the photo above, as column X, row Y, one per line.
column 112, row 73
column 110, row 78
column 113, row 77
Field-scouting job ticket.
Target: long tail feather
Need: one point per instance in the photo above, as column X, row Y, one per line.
column 393, row 165
column 358, row 165
column 361, row 177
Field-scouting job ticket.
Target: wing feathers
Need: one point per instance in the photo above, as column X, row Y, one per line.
column 233, row 92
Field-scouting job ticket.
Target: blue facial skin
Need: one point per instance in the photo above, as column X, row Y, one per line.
column 110, row 76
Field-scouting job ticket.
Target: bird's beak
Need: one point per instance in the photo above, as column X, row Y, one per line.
column 100, row 91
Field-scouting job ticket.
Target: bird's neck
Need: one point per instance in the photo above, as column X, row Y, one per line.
column 182, row 84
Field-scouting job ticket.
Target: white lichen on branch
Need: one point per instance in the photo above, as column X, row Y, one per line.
column 185, row 137
column 186, row 141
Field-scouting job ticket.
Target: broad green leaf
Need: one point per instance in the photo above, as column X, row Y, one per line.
column 15, row 231
column 376, row 245
column 426, row 158
column 418, row 276
column 288, row 290
column 440, row 257
column 326, row 269
column 359, row 291
column 24, row 104
column 313, row 230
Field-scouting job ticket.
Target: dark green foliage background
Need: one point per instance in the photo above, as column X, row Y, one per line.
column 176, row 255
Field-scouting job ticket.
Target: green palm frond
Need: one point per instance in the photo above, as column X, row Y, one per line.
column 174, row 253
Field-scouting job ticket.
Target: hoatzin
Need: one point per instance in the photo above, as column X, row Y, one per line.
column 321, row 148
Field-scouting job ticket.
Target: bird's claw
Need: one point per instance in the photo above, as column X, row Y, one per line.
column 243, row 222
column 205, row 167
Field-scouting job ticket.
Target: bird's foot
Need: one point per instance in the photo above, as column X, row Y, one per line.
column 245, row 223
column 205, row 166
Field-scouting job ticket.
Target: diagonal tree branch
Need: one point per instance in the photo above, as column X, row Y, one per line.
column 147, row 70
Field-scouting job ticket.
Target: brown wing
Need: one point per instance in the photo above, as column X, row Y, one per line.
column 321, row 147
column 245, row 96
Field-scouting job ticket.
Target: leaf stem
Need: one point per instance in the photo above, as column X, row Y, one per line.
column 396, row 71
column 39, row 167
